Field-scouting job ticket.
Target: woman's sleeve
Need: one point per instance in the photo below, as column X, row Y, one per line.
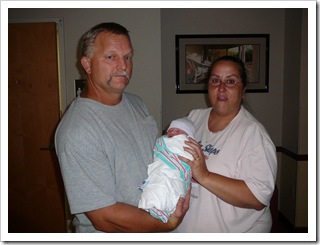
column 259, row 165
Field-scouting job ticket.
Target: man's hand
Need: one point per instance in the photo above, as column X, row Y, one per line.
column 181, row 209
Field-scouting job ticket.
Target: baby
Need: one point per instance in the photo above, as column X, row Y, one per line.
column 168, row 176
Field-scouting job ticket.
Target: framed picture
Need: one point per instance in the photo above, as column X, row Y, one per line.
column 195, row 54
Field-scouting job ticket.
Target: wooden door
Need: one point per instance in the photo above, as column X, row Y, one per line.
column 36, row 194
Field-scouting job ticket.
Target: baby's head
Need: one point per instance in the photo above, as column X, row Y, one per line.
column 181, row 126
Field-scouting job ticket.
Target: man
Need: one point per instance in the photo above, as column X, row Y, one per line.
column 105, row 141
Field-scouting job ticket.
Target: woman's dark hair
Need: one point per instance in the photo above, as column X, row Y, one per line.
column 89, row 37
column 238, row 62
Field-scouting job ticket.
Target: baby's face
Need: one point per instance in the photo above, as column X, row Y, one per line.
column 175, row 131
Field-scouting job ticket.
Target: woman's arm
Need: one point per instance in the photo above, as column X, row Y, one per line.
column 232, row 191
column 122, row 217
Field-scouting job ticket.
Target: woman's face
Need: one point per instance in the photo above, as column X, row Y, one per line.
column 225, row 99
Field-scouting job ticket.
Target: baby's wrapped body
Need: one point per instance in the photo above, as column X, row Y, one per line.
column 168, row 178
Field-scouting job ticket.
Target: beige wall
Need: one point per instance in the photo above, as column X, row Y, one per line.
column 303, row 118
column 301, row 213
column 291, row 81
column 301, row 219
column 294, row 176
column 287, row 190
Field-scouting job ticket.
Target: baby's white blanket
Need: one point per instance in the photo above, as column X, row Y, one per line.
column 168, row 178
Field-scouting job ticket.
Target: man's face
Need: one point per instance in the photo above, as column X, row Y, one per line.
column 109, row 65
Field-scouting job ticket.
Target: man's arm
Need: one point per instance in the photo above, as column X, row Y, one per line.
column 122, row 217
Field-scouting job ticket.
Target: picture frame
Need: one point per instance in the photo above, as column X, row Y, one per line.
column 195, row 54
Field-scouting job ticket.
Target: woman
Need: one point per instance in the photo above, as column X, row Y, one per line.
column 234, row 176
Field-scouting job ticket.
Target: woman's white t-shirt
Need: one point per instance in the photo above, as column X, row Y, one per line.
column 243, row 150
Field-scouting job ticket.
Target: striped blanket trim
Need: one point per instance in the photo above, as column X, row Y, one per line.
column 171, row 159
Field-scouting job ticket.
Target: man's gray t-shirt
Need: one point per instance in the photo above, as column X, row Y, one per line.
column 103, row 153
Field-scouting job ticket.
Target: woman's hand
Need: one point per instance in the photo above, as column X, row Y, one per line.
column 232, row 191
column 198, row 165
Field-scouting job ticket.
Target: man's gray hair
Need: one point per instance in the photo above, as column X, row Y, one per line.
column 89, row 37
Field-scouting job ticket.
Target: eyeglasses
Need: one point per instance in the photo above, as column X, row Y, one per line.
column 230, row 83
